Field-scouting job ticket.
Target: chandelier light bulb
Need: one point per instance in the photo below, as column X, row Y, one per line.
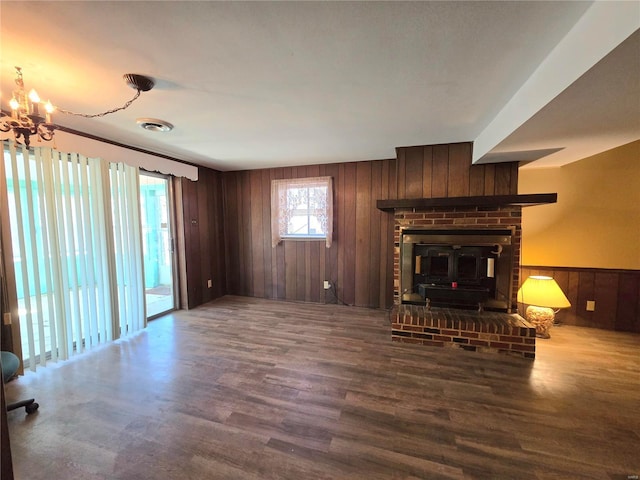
column 49, row 108
column 33, row 96
column 13, row 103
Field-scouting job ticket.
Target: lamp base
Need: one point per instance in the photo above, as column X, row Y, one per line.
column 541, row 318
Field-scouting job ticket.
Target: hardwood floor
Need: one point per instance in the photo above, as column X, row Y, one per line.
column 245, row 388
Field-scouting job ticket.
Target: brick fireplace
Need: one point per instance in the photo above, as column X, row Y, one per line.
column 460, row 323
column 437, row 189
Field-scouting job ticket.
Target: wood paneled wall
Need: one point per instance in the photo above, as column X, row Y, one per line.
column 616, row 293
column 201, row 238
column 359, row 263
column 438, row 171
column 226, row 227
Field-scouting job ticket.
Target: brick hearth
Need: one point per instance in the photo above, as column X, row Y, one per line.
column 469, row 330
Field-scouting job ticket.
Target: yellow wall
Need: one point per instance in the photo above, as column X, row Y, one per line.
column 596, row 222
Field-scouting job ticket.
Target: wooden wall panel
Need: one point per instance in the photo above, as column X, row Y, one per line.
column 427, row 171
column 414, row 158
column 231, row 222
column 446, row 171
column 347, row 289
column 331, row 254
column 440, row 171
column 213, row 237
column 616, row 293
column 489, row 179
column 572, row 294
column 202, row 231
column 290, row 266
column 300, row 274
column 503, row 179
column 401, row 154
column 258, row 231
column 459, row 170
column 476, row 180
column 192, row 242
column 606, row 298
column 356, row 264
column 339, row 209
column 586, row 291
column 364, row 212
column 373, row 287
column 244, row 237
column 204, row 254
column 628, row 317
column 267, row 251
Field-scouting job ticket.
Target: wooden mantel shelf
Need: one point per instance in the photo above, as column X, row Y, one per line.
column 481, row 201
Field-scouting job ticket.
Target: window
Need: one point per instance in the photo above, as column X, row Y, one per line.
column 302, row 208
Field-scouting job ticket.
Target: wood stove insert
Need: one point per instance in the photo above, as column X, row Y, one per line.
column 460, row 268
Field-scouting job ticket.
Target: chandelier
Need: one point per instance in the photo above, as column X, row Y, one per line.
column 27, row 120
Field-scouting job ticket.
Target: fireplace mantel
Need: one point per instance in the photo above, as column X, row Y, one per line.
column 478, row 201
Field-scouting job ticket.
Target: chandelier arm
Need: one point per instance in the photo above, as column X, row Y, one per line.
column 45, row 132
column 102, row 114
column 4, row 125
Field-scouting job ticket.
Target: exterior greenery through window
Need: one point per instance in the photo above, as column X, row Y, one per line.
column 302, row 208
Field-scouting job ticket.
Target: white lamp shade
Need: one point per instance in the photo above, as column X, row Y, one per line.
column 542, row 292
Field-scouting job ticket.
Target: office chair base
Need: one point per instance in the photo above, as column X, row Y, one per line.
column 30, row 406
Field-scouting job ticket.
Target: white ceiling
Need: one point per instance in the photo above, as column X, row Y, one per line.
column 253, row 85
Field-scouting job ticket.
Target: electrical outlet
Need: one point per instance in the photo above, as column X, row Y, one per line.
column 209, row 283
column 591, row 305
column 327, row 285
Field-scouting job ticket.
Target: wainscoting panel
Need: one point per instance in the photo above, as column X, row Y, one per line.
column 616, row 293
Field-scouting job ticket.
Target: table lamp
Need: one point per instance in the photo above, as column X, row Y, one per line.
column 542, row 295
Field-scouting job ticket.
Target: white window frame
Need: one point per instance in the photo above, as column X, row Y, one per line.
column 283, row 209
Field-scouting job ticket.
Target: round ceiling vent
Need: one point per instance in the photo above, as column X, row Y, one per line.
column 154, row 125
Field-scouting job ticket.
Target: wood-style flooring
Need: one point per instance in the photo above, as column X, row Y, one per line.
column 244, row 388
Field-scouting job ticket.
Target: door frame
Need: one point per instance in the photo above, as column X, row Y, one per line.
column 172, row 240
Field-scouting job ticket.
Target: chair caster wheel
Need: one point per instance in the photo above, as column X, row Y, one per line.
column 31, row 408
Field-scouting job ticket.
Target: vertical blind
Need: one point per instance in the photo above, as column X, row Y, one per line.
column 77, row 250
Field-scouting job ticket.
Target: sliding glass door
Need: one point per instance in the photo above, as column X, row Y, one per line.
column 76, row 246
column 157, row 244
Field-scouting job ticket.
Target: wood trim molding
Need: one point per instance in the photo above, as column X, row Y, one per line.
column 475, row 201
column 582, row 269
